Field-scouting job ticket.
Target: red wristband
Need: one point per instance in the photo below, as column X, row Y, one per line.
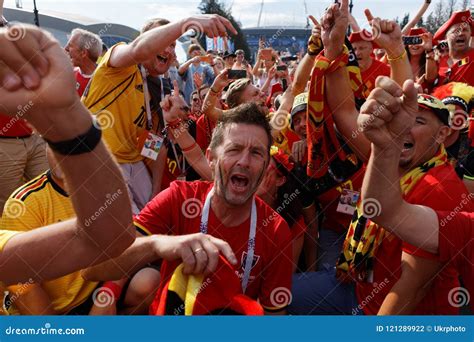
column 111, row 287
column 187, row 149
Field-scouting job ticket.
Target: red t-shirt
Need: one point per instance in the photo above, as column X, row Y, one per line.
column 272, row 269
column 81, row 81
column 375, row 70
column 14, row 126
column 462, row 71
column 440, row 189
column 456, row 243
column 204, row 128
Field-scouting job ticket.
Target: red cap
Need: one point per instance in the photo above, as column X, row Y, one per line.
column 363, row 36
column 416, row 31
column 456, row 18
column 276, row 88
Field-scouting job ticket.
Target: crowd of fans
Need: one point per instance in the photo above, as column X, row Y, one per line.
column 335, row 182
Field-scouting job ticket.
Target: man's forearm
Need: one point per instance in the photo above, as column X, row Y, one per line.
column 303, row 74
column 382, row 183
column 416, row 18
column 415, row 224
column 400, row 65
column 139, row 254
column 342, row 105
column 192, row 152
column 103, row 226
column 150, row 43
column 209, row 105
column 184, row 67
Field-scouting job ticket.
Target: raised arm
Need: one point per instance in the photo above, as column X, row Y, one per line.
column 35, row 69
column 303, row 71
column 147, row 45
column 340, row 96
column 172, row 110
column 388, row 36
column 412, row 23
column 386, row 116
column 209, row 105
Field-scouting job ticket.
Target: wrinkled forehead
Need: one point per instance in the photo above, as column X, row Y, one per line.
column 245, row 135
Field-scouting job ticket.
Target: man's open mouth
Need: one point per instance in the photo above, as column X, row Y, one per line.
column 407, row 146
column 239, row 182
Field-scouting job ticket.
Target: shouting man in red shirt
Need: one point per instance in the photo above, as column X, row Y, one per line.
column 451, row 234
column 202, row 214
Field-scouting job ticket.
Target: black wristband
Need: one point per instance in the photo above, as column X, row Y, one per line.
column 83, row 143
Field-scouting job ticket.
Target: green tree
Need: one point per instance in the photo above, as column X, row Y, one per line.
column 216, row 7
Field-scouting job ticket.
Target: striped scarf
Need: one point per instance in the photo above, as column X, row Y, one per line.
column 323, row 145
column 363, row 238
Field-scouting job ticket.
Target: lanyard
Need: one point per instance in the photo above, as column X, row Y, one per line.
column 147, row 98
column 252, row 232
column 181, row 169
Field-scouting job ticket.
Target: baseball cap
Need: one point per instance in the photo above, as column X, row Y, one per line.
column 435, row 105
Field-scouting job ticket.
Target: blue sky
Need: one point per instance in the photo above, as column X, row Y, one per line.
column 275, row 13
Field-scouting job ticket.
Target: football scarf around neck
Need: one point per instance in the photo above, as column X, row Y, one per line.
column 252, row 233
column 356, row 261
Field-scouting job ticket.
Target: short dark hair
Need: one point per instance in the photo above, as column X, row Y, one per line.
column 247, row 113
column 194, row 47
column 152, row 23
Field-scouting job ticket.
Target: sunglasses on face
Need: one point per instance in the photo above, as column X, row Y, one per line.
column 195, row 99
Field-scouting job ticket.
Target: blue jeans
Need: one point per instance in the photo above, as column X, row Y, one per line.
column 320, row 293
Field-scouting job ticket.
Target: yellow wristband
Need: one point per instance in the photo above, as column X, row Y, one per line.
column 403, row 55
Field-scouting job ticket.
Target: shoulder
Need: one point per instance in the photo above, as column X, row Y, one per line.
column 31, row 189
